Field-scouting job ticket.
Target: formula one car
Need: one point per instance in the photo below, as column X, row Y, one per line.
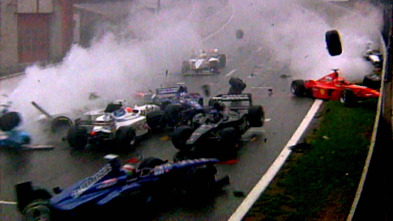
column 120, row 187
column 210, row 60
column 9, row 135
column 220, row 130
column 333, row 87
column 178, row 106
column 374, row 56
column 116, row 123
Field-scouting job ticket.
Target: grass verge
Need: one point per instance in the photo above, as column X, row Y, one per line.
column 319, row 182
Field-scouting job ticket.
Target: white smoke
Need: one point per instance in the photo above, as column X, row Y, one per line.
column 116, row 64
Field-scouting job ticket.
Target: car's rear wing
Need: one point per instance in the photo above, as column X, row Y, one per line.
column 236, row 101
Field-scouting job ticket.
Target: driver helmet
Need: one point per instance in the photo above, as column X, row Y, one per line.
column 129, row 169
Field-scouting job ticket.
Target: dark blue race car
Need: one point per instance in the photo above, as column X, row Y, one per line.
column 178, row 107
column 9, row 135
column 115, row 185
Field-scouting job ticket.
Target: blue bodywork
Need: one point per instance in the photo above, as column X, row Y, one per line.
column 14, row 138
column 177, row 95
column 111, row 182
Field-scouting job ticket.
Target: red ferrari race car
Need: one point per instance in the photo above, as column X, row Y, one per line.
column 333, row 87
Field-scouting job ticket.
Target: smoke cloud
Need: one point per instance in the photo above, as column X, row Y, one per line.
column 290, row 33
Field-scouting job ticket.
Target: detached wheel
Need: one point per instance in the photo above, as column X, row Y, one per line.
column 150, row 162
column 77, row 137
column 126, row 137
column 9, row 121
column 38, row 210
column 256, row 116
column 298, row 88
column 348, row 98
column 180, row 137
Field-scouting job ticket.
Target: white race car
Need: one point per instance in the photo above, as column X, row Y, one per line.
column 207, row 60
column 374, row 56
column 116, row 123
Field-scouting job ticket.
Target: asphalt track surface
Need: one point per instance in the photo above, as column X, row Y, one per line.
column 284, row 112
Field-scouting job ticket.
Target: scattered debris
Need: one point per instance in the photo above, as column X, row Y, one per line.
column 285, row 76
column 300, row 147
column 238, row 193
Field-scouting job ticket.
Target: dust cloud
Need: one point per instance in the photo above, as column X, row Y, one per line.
column 118, row 63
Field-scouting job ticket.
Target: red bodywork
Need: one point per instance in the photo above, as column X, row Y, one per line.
column 331, row 86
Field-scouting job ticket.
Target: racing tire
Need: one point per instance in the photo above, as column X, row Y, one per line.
column 185, row 67
column 372, row 81
column 77, row 137
column 348, row 98
column 61, row 124
column 172, row 112
column 229, row 141
column 150, row 162
column 333, row 42
column 298, row 88
column 9, row 121
column 126, row 137
column 156, row 120
column 256, row 116
column 180, row 137
column 37, row 210
column 222, row 60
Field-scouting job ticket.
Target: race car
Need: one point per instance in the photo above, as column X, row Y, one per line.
column 116, row 123
column 117, row 188
column 374, row 56
column 333, row 87
column 10, row 136
column 207, row 60
column 220, row 130
column 178, row 106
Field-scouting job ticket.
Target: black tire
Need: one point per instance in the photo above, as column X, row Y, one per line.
column 185, row 67
column 372, row 81
column 77, row 137
column 348, row 98
column 150, row 162
column 298, row 88
column 222, row 60
column 333, row 42
column 38, row 210
column 156, row 120
column 126, row 137
column 9, row 121
column 256, row 116
column 229, row 140
column 180, row 137
column 172, row 113
column 61, row 124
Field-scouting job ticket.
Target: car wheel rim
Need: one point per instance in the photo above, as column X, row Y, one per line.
column 38, row 213
column 343, row 97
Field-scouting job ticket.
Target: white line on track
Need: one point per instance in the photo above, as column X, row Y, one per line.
column 258, row 189
column 231, row 72
column 2, row 202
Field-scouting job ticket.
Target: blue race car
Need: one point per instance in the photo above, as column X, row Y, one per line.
column 178, row 107
column 115, row 185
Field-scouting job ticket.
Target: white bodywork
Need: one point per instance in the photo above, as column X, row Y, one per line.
column 133, row 117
